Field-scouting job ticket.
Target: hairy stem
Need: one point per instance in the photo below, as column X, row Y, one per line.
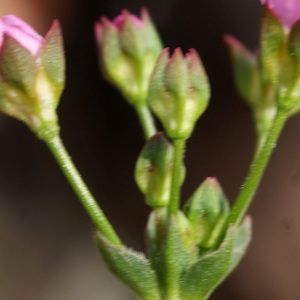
column 58, row 150
column 146, row 120
column 256, row 171
column 179, row 148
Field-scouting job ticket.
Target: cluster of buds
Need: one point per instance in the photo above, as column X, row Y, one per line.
column 177, row 90
column 190, row 251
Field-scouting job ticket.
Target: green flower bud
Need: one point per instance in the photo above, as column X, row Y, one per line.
column 207, row 210
column 32, row 74
column 179, row 92
column 153, row 171
column 128, row 49
column 253, row 85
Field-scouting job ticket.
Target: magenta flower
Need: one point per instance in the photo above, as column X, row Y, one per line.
column 20, row 31
column 288, row 11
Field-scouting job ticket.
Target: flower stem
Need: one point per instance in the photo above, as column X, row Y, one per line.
column 58, row 150
column 146, row 120
column 179, row 147
column 257, row 169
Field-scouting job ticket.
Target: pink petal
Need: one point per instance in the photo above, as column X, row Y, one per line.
column 21, row 32
column 288, row 11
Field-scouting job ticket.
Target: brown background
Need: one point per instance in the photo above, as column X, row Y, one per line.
column 46, row 250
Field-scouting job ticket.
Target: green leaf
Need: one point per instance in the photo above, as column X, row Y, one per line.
column 203, row 277
column 130, row 267
column 17, row 66
column 200, row 280
column 241, row 242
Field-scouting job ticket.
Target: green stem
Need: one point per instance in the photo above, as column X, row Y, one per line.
column 87, row 200
column 146, row 120
column 257, row 169
column 179, row 147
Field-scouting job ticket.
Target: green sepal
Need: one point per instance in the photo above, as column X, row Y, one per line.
column 198, row 81
column 152, row 39
column 245, row 71
column 294, row 45
column 131, row 267
column 52, row 59
column 272, row 40
column 131, row 35
column 18, row 105
column 17, row 66
column 177, row 78
column 294, row 52
column 155, row 232
column 207, row 211
column 204, row 275
column 109, row 45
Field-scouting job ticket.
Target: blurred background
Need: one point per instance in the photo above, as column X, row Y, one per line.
column 46, row 248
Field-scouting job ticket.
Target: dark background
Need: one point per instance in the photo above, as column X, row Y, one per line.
column 46, row 249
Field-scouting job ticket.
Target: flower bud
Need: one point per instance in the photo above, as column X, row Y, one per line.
column 279, row 52
column 252, row 84
column 31, row 73
column 207, row 210
column 179, row 92
column 153, row 171
column 128, row 49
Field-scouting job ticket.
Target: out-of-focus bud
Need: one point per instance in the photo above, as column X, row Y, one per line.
column 279, row 51
column 128, row 49
column 207, row 211
column 287, row 11
column 31, row 73
column 253, row 85
column 153, row 171
column 179, row 92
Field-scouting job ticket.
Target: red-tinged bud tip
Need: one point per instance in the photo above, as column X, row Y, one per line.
column 119, row 20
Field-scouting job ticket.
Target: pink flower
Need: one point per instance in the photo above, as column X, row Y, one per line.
column 31, row 73
column 288, row 11
column 23, row 33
